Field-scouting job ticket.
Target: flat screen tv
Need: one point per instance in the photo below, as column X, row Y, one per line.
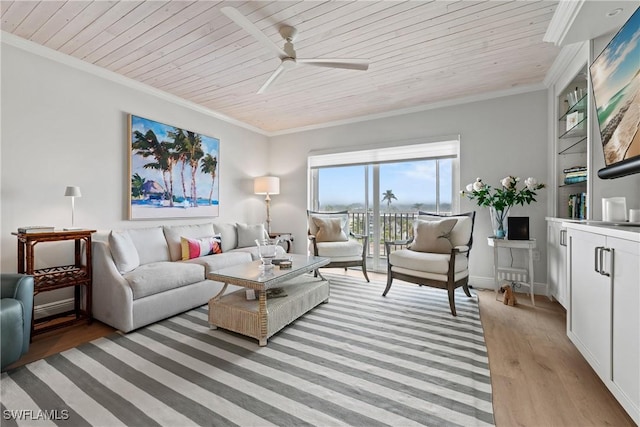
column 615, row 78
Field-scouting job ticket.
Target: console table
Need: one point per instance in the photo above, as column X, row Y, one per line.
column 58, row 277
column 528, row 245
column 284, row 238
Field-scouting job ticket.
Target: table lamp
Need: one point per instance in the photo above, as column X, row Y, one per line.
column 72, row 192
column 267, row 185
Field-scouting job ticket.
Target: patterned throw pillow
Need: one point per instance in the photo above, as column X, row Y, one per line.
column 195, row 248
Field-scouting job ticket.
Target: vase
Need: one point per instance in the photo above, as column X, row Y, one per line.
column 499, row 221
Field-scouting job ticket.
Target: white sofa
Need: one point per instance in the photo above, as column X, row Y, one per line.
column 139, row 276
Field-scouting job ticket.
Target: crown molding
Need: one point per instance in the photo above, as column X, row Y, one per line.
column 562, row 19
column 45, row 52
column 562, row 62
column 420, row 108
column 34, row 48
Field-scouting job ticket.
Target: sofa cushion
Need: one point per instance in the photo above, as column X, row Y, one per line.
column 253, row 251
column 173, row 233
column 150, row 244
column 228, row 234
column 223, row 260
column 433, row 236
column 461, row 233
column 156, row 277
column 204, row 246
column 123, row 251
column 330, row 229
column 247, row 234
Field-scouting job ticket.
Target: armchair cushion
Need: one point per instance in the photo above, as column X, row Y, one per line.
column 342, row 215
column 461, row 233
column 330, row 229
column 433, row 236
column 427, row 262
column 350, row 249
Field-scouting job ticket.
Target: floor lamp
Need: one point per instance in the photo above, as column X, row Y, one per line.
column 267, row 185
column 72, row 192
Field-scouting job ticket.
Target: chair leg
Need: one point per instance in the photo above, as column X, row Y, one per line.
column 389, row 280
column 364, row 270
column 452, row 300
column 465, row 288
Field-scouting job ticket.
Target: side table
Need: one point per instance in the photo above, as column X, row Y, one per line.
column 284, row 237
column 58, row 277
column 529, row 246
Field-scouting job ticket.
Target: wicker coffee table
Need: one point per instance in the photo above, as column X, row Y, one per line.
column 259, row 318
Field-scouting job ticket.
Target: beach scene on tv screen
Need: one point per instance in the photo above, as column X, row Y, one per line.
column 615, row 77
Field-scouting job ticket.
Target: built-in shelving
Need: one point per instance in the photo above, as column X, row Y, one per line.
column 572, row 146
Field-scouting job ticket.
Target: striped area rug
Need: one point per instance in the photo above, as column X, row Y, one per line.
column 360, row 360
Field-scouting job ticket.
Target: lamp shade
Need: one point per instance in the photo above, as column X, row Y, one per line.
column 73, row 192
column 266, row 185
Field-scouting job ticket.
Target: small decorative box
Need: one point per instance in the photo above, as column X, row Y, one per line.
column 284, row 265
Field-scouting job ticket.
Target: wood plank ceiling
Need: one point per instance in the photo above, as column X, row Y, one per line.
column 421, row 52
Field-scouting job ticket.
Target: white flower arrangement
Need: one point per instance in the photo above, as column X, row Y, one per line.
column 505, row 196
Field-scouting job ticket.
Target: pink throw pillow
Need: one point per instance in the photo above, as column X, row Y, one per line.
column 195, row 248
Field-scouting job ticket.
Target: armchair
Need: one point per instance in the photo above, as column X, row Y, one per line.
column 16, row 309
column 330, row 237
column 437, row 255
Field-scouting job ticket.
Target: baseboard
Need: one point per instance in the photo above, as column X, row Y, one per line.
column 55, row 307
column 489, row 283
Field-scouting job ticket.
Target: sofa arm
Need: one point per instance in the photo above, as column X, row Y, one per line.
column 112, row 301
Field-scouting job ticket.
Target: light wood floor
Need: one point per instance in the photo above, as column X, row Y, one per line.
column 539, row 378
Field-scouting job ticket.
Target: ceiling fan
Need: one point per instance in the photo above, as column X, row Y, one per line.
column 287, row 55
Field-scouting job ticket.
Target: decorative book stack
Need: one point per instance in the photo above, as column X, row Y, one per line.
column 578, row 206
column 36, row 229
column 575, row 174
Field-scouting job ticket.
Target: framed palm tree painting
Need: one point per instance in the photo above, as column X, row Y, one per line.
column 173, row 171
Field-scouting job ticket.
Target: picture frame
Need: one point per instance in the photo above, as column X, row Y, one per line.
column 573, row 119
column 173, row 172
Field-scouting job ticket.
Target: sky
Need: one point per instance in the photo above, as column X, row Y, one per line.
column 411, row 182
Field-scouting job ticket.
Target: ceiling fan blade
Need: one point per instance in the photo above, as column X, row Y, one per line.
column 250, row 28
column 349, row 64
column 272, row 78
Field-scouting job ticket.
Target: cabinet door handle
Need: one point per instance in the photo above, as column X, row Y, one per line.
column 604, row 273
column 563, row 237
column 596, row 259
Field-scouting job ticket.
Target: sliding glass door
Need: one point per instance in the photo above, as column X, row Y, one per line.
column 383, row 198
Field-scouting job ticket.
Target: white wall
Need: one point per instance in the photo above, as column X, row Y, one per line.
column 64, row 126
column 499, row 137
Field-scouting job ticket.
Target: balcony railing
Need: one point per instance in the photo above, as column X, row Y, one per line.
column 392, row 225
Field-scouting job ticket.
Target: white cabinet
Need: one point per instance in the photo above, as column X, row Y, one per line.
column 557, row 260
column 604, row 307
